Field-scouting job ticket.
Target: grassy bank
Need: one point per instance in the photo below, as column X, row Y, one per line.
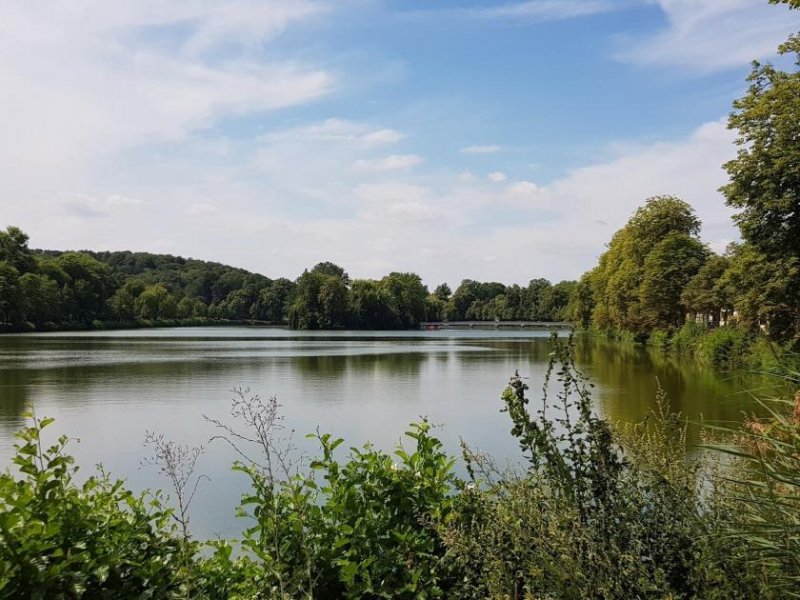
column 720, row 348
column 593, row 510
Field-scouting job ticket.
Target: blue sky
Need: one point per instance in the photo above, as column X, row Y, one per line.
column 454, row 138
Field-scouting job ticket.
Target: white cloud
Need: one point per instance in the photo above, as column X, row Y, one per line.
column 708, row 35
column 487, row 149
column 523, row 190
column 609, row 192
column 395, row 162
column 201, row 208
column 336, row 130
column 88, row 79
column 497, row 176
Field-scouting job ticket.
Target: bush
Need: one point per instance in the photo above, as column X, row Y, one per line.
column 660, row 339
column 685, row 339
column 725, row 347
column 365, row 528
column 96, row 540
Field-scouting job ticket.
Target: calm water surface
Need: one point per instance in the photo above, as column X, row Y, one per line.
column 108, row 388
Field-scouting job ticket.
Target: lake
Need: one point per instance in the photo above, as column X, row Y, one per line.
column 109, row 388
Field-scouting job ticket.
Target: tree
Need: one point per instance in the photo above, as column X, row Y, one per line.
column 87, row 288
column 792, row 3
column 581, row 304
column 334, row 303
column 765, row 175
column 554, row 301
column 320, row 298
column 534, row 300
column 332, row 270
column 668, row 268
column 372, row 306
column 14, row 250
column 706, row 294
column 443, row 292
column 764, row 291
column 619, row 297
column 41, row 298
column 409, row 296
column 272, row 301
column 10, row 297
column 155, row 302
column 123, row 302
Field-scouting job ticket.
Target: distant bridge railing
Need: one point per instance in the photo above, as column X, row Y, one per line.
column 494, row 325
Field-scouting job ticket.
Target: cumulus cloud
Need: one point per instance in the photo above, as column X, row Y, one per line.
column 497, row 176
column 708, row 35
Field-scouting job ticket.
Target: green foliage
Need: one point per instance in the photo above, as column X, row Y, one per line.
column 660, row 338
column 14, row 249
column 638, row 282
column 723, row 347
column 791, row 3
column 765, row 175
column 59, row 539
column 667, row 269
column 765, row 187
column 706, row 294
column 686, row 338
column 363, row 528
column 320, row 298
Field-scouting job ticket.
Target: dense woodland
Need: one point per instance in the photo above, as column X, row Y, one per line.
column 49, row 290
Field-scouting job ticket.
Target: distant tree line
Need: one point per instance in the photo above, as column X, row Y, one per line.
column 50, row 290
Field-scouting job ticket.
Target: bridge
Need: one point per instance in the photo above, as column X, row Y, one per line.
column 494, row 325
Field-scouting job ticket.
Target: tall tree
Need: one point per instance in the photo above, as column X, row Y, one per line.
column 765, row 175
column 14, row 249
column 668, row 268
column 620, row 298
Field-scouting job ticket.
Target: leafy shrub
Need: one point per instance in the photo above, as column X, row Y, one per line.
column 725, row 347
column 660, row 339
column 59, row 539
column 365, row 528
column 685, row 339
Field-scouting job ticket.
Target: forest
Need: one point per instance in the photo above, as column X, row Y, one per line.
column 46, row 290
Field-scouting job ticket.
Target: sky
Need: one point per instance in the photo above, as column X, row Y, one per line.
column 492, row 140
